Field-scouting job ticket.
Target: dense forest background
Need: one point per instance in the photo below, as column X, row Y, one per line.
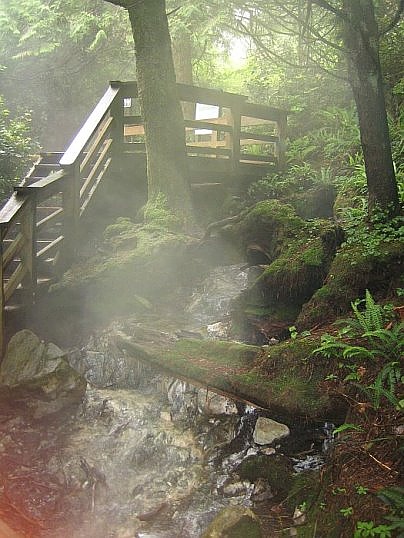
column 337, row 67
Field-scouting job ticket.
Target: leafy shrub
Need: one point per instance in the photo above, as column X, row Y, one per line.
column 16, row 148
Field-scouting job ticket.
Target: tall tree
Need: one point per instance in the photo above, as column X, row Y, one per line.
column 343, row 28
column 360, row 35
column 161, row 110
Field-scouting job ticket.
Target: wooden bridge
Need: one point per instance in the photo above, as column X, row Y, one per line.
column 42, row 221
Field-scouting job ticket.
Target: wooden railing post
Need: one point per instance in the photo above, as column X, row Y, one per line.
column 71, row 213
column 28, row 253
column 281, row 145
column 236, row 124
column 117, row 127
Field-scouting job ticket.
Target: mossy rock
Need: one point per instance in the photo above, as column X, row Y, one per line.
column 276, row 469
column 351, row 273
column 317, row 202
column 300, row 268
column 234, row 522
column 269, row 223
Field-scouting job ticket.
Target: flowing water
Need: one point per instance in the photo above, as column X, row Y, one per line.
column 146, row 455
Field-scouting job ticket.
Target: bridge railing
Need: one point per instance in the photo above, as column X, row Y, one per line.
column 39, row 224
column 241, row 133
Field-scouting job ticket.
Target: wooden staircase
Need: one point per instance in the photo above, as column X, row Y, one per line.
column 40, row 223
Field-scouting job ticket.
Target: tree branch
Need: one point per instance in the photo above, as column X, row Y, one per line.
column 395, row 20
column 325, row 5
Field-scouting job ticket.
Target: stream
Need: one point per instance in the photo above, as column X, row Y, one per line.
column 145, row 455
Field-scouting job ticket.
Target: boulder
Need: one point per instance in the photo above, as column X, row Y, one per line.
column 39, row 375
column 267, row 431
column 234, row 522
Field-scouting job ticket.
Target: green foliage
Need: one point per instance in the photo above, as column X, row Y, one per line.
column 60, row 55
column 365, row 529
column 16, row 149
column 362, row 339
column 394, row 498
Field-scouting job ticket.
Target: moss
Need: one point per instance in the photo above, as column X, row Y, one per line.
column 276, row 469
column 234, row 522
column 282, row 379
column 298, row 271
column 351, row 273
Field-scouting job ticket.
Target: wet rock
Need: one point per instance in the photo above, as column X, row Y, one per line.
column 236, row 489
column 39, row 375
column 267, row 431
column 219, row 330
column 234, row 522
column 211, row 403
column 262, row 491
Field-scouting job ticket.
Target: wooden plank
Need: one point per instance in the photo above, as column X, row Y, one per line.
column 45, row 250
column 258, row 158
column 262, row 112
column 128, row 88
column 11, row 210
column 94, row 146
column 209, row 125
column 46, row 187
column 14, row 281
column 210, row 144
column 209, row 150
column 93, row 121
column 94, row 187
column 208, row 96
column 41, row 223
column 28, row 257
column 244, row 135
column 15, row 245
column 133, row 130
column 94, row 169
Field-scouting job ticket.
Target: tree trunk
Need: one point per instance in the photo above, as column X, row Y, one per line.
column 161, row 110
column 182, row 56
column 361, row 39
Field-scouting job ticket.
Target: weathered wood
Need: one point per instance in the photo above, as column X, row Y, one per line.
column 11, row 210
column 211, row 125
column 41, row 223
column 209, row 96
column 95, row 167
column 14, row 281
column 263, row 112
column 96, row 143
column 209, row 150
column 245, row 135
column 50, row 246
column 28, row 256
column 15, row 246
column 81, row 140
column 94, row 187
column 71, row 213
column 281, row 146
column 44, row 188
